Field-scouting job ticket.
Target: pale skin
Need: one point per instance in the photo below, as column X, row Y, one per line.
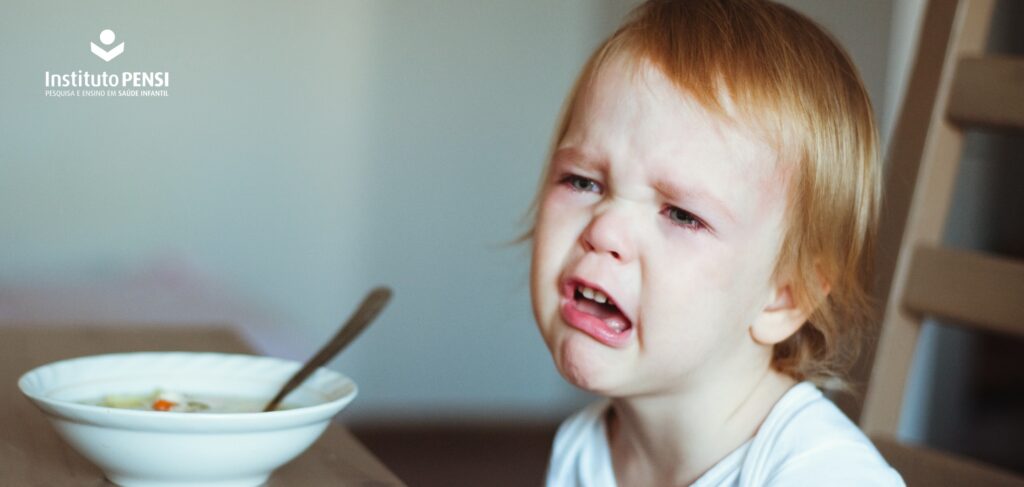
column 678, row 215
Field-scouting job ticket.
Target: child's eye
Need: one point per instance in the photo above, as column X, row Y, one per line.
column 683, row 218
column 580, row 183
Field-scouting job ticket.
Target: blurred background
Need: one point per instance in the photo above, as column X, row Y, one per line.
column 310, row 150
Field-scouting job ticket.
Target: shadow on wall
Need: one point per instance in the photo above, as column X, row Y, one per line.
column 167, row 291
column 455, row 155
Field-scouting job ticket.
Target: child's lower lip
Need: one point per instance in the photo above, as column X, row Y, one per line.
column 594, row 326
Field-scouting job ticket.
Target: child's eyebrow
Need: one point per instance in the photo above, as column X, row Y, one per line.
column 673, row 192
column 576, row 157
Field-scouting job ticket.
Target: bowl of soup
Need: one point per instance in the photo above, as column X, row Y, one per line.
column 185, row 418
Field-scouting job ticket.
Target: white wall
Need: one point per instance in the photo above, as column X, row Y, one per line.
column 308, row 151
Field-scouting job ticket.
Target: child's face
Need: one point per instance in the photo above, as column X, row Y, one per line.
column 673, row 214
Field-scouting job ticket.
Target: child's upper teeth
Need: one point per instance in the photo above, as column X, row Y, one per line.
column 593, row 294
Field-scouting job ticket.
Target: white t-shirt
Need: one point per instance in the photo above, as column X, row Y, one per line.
column 805, row 440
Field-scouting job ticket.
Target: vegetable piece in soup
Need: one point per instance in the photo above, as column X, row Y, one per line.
column 171, row 401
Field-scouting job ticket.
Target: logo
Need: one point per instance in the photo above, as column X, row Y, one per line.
column 107, row 38
column 67, row 83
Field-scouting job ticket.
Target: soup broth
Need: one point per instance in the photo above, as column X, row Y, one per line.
column 171, row 401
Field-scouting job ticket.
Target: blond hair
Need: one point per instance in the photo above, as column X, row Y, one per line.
column 787, row 77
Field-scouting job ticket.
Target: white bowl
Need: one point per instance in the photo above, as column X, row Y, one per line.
column 155, row 448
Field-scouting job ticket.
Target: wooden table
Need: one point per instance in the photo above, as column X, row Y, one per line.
column 32, row 454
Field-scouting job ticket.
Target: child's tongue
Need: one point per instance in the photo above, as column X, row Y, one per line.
column 608, row 313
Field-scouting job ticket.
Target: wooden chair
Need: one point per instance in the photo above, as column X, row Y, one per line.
column 953, row 87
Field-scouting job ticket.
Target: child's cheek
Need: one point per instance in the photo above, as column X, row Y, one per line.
column 562, row 203
column 706, row 264
column 561, row 195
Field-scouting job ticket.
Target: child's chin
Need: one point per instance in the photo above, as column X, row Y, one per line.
column 588, row 365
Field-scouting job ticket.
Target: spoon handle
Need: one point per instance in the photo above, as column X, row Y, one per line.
column 368, row 310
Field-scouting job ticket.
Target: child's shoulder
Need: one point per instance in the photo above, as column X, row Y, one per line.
column 807, row 440
column 804, row 440
column 580, row 454
column 584, row 430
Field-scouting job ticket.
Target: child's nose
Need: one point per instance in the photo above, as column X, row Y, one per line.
column 609, row 232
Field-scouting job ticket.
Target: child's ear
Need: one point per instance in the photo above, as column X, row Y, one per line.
column 779, row 319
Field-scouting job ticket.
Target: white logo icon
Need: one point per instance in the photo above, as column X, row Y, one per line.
column 107, row 38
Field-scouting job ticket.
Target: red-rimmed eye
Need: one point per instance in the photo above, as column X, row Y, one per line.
column 683, row 218
column 580, row 183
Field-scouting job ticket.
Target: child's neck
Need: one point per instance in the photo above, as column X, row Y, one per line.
column 674, row 439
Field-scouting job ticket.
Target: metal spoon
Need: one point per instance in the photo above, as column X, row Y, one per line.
column 368, row 310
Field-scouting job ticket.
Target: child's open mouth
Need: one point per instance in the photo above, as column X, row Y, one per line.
column 590, row 310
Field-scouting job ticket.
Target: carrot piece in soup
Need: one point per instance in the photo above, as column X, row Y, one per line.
column 162, row 405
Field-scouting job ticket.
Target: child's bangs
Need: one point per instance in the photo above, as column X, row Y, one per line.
column 736, row 64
